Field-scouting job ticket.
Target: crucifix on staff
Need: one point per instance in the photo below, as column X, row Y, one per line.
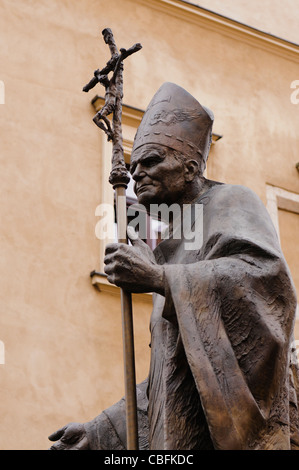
column 119, row 179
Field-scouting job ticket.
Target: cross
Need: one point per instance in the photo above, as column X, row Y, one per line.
column 119, row 179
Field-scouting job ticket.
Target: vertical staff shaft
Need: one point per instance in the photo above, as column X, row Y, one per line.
column 127, row 330
column 119, row 179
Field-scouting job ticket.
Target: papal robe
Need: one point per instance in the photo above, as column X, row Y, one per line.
column 222, row 375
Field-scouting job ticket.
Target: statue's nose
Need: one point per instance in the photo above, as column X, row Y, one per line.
column 139, row 173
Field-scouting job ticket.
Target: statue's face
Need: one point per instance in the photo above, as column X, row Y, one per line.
column 158, row 175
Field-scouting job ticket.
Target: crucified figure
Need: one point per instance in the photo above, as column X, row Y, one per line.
column 111, row 88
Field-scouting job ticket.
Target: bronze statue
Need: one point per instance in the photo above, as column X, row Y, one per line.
column 223, row 314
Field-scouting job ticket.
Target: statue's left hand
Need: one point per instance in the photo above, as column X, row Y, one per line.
column 71, row 437
column 133, row 268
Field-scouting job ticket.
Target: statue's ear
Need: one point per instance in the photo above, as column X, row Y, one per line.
column 191, row 170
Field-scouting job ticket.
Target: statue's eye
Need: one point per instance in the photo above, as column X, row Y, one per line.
column 151, row 161
column 147, row 162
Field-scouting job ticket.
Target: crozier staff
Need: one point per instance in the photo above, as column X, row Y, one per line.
column 119, row 179
column 222, row 322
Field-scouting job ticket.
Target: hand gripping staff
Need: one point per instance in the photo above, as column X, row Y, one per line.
column 119, row 179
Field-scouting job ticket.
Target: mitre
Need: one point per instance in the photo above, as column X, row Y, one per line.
column 175, row 119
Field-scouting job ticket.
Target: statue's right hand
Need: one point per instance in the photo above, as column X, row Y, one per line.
column 72, row 436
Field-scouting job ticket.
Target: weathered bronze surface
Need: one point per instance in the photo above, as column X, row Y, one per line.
column 221, row 374
column 119, row 179
column 113, row 103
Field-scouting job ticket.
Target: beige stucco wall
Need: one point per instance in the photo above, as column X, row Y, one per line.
column 273, row 16
column 289, row 230
column 63, row 350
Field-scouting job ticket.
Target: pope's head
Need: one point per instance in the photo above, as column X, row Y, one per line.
column 171, row 146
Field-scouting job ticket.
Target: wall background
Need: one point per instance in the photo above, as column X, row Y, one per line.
column 62, row 337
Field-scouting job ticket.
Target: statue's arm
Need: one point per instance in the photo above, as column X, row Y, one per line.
column 107, row 431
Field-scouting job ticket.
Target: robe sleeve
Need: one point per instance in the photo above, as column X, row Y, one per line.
column 235, row 310
column 108, row 430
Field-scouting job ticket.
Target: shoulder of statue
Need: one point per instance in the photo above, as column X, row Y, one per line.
column 231, row 192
